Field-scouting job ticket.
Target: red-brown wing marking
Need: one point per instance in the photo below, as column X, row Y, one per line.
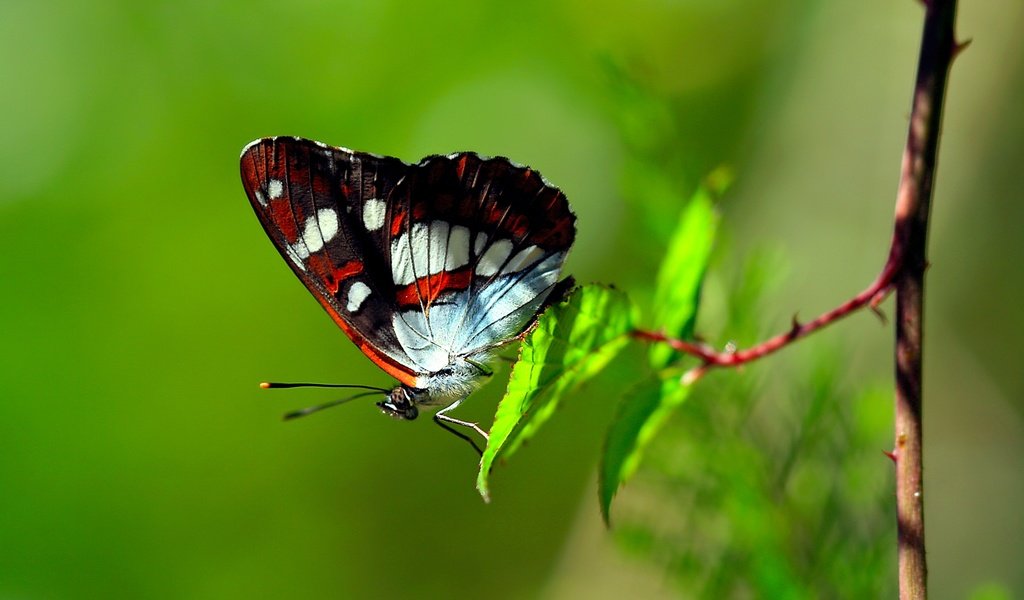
column 330, row 274
column 430, row 287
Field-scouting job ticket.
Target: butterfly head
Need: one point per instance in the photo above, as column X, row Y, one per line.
column 400, row 404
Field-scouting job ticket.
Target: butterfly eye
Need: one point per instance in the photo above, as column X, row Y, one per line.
column 407, row 413
column 399, row 406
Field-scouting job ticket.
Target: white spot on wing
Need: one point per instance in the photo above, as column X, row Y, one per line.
column 495, row 256
column 458, row 248
column 357, row 294
column 478, row 245
column 438, row 246
column 261, row 198
column 524, row 258
column 428, row 250
column 294, row 257
column 420, row 243
column 373, row 214
column 328, row 220
column 311, row 236
column 401, row 261
column 275, row 188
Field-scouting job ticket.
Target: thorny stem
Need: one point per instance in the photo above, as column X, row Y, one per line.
column 903, row 273
column 913, row 205
column 873, row 295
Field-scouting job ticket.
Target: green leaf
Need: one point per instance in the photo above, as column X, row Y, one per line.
column 682, row 270
column 642, row 413
column 571, row 343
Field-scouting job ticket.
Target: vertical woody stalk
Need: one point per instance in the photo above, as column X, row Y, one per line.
column 938, row 47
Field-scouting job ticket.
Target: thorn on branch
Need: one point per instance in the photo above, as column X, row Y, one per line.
column 878, row 298
column 959, row 47
column 891, row 455
column 881, row 315
column 794, row 326
column 693, row 375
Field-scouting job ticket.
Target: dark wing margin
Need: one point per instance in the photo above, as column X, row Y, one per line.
column 318, row 205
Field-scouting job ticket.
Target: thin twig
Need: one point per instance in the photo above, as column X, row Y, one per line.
column 873, row 295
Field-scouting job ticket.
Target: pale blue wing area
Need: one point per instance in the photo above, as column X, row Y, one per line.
column 504, row 307
column 488, row 313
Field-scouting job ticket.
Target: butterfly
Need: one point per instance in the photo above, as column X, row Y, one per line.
column 428, row 268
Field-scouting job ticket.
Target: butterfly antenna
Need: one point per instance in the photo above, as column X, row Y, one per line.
column 312, row 409
column 277, row 385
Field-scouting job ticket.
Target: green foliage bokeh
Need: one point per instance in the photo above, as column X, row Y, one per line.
column 140, row 302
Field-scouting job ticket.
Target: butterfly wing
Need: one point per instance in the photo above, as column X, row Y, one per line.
column 315, row 203
column 418, row 264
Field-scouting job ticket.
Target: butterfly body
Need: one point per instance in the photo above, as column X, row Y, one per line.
column 428, row 268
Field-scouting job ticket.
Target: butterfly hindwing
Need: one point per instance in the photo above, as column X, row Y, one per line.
column 501, row 234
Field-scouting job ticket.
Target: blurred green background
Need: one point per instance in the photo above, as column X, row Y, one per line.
column 141, row 302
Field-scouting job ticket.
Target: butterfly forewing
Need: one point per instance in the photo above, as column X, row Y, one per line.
column 419, row 264
column 308, row 201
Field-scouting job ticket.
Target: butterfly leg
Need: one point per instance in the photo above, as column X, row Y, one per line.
column 459, row 435
column 442, row 415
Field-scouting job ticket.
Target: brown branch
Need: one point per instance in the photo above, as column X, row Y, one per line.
column 913, row 206
column 903, row 272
